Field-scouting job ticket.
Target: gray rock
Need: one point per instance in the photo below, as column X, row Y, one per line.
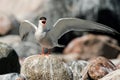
column 10, row 76
column 10, row 39
column 25, row 49
column 9, row 61
column 77, row 67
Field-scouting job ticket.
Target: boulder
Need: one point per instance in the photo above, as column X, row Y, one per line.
column 25, row 49
column 97, row 45
column 115, row 75
column 99, row 67
column 10, row 39
column 45, row 67
column 9, row 61
column 77, row 67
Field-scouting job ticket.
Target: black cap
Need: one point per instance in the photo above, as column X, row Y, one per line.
column 43, row 18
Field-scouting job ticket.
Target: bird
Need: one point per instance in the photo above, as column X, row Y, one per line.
column 48, row 38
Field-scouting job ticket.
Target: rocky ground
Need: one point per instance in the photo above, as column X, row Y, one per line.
column 86, row 56
column 72, row 65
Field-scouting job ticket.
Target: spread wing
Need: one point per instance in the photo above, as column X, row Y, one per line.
column 27, row 30
column 65, row 25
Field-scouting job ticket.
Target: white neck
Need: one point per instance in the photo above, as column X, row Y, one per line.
column 40, row 28
column 39, row 32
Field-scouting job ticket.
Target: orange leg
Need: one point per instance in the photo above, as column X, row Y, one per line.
column 43, row 51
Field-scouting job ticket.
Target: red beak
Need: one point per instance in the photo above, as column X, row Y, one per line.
column 43, row 22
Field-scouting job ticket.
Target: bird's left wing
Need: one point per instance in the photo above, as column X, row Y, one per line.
column 65, row 25
column 25, row 28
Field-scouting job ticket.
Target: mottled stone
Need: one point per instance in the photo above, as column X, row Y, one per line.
column 99, row 67
column 41, row 67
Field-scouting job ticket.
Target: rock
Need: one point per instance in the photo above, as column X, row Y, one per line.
column 10, row 39
column 99, row 67
column 115, row 61
column 10, row 76
column 25, row 49
column 115, row 75
column 77, row 68
column 9, row 61
column 41, row 67
column 8, row 24
column 97, row 45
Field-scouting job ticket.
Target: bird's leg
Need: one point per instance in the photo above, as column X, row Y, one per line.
column 42, row 51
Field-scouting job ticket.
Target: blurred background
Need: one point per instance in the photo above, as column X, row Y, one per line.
column 107, row 12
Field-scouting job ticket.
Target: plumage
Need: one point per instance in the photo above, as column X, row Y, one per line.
column 65, row 25
column 27, row 30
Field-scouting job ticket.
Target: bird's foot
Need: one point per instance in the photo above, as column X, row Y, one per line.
column 43, row 54
column 47, row 54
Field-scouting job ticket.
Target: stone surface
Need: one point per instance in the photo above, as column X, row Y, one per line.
column 41, row 67
column 23, row 48
column 97, row 45
column 10, row 76
column 77, row 67
column 10, row 39
column 99, row 67
column 115, row 75
column 9, row 61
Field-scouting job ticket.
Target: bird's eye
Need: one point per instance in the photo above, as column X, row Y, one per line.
column 43, row 22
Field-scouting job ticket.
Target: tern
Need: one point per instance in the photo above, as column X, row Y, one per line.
column 49, row 38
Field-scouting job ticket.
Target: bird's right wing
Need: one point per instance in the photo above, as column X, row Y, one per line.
column 65, row 25
column 25, row 28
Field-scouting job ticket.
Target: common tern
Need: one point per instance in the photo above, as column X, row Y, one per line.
column 49, row 38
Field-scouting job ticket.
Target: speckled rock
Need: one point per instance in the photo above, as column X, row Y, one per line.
column 77, row 68
column 115, row 75
column 40, row 67
column 9, row 61
column 99, row 67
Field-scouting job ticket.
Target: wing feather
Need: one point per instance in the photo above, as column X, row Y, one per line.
column 25, row 28
column 65, row 25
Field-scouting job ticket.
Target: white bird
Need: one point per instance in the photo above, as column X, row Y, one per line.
column 49, row 38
